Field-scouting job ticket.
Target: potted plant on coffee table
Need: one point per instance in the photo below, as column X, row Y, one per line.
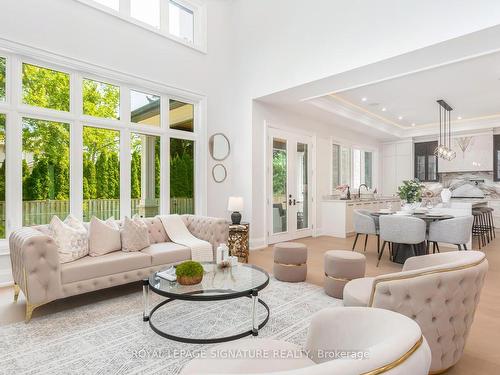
column 189, row 273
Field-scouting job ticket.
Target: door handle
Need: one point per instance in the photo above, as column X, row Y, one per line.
column 290, row 202
column 294, row 202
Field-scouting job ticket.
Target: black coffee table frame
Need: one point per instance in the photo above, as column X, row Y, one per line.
column 205, row 295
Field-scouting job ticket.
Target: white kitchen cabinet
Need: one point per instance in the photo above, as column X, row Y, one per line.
column 397, row 165
column 337, row 215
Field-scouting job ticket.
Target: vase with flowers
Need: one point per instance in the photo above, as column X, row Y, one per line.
column 411, row 194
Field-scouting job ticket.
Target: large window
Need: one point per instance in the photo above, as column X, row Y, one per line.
column 89, row 155
column 145, row 108
column 181, row 176
column 2, row 174
column 362, row 168
column 2, row 78
column 101, row 173
column 181, row 20
column 45, row 170
column 101, row 99
column 45, row 88
column 351, row 167
column 181, row 116
column 145, row 174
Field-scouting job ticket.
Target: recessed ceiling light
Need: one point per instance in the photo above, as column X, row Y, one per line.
column 459, row 117
column 412, row 124
column 384, row 109
column 363, row 99
column 400, row 117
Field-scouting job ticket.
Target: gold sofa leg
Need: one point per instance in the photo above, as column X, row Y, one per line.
column 16, row 292
column 29, row 310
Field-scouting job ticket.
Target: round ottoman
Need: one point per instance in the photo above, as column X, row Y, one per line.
column 341, row 266
column 290, row 261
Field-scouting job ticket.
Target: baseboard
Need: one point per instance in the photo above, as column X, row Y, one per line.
column 258, row 243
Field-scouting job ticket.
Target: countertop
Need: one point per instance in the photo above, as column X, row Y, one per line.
column 356, row 200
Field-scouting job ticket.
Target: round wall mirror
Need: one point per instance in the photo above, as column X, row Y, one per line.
column 219, row 146
column 219, row 173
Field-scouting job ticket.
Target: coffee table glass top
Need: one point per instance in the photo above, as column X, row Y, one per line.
column 217, row 283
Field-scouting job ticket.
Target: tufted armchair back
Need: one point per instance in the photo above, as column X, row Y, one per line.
column 440, row 292
column 363, row 222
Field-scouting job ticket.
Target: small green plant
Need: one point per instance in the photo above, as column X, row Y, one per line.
column 410, row 191
column 189, row 268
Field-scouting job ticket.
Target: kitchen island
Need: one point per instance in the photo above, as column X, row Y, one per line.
column 336, row 214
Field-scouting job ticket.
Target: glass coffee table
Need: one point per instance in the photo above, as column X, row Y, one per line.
column 242, row 280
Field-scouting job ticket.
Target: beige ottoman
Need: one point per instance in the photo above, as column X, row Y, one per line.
column 341, row 266
column 290, row 261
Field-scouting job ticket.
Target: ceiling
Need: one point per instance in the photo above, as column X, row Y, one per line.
column 471, row 87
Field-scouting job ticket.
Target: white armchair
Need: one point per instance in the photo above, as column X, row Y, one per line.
column 341, row 341
column 439, row 291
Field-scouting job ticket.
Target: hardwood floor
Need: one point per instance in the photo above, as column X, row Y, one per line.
column 481, row 355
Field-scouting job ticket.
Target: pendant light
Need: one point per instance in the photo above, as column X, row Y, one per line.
column 444, row 150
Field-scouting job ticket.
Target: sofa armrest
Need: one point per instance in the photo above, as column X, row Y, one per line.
column 35, row 265
column 210, row 229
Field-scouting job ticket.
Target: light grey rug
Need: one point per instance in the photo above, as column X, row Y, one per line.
column 109, row 337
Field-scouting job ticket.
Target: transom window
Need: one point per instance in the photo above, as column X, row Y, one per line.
column 84, row 153
column 181, row 20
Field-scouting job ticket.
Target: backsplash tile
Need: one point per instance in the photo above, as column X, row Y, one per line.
column 453, row 180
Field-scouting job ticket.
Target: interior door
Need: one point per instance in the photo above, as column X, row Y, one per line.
column 289, row 186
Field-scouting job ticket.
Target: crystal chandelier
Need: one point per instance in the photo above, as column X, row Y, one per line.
column 444, row 150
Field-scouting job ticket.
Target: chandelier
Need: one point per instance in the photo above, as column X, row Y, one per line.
column 444, row 150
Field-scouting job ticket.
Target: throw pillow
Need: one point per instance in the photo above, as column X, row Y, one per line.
column 134, row 235
column 72, row 242
column 104, row 236
column 73, row 222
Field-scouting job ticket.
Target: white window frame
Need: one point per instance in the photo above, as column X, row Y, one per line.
column 199, row 19
column 15, row 110
column 352, row 146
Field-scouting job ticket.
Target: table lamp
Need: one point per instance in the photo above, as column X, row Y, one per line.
column 235, row 205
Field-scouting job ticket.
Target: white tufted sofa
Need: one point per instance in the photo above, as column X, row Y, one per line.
column 439, row 291
column 340, row 341
column 42, row 278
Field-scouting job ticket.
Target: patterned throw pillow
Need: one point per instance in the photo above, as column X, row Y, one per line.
column 104, row 236
column 70, row 237
column 134, row 234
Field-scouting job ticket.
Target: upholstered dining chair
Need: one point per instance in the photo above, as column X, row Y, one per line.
column 439, row 291
column 340, row 340
column 365, row 224
column 455, row 231
column 401, row 230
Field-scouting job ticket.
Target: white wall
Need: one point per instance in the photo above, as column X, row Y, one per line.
column 276, row 117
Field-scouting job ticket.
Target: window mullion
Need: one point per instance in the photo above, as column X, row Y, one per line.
column 164, row 157
column 125, row 159
column 76, row 148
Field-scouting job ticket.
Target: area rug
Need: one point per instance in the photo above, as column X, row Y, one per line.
column 109, row 337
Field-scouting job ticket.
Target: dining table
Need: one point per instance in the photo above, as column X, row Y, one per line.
column 400, row 251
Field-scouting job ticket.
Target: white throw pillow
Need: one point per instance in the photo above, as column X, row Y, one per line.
column 134, row 234
column 74, row 222
column 104, row 236
column 72, row 242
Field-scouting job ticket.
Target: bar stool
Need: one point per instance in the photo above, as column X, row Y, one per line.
column 488, row 219
column 478, row 229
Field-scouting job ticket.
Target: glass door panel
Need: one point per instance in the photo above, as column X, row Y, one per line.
column 302, row 193
column 280, row 176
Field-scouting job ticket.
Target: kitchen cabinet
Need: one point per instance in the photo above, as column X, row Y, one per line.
column 337, row 215
column 397, row 165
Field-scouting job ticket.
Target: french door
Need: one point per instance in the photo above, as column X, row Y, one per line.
column 289, row 198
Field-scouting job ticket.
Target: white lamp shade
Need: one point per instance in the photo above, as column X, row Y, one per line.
column 235, row 204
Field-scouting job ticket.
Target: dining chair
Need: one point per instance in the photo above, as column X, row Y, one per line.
column 401, row 230
column 365, row 224
column 455, row 231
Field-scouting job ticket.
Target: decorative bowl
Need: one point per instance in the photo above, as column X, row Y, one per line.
column 189, row 280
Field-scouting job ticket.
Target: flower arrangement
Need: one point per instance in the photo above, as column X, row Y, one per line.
column 342, row 188
column 410, row 191
column 189, row 273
